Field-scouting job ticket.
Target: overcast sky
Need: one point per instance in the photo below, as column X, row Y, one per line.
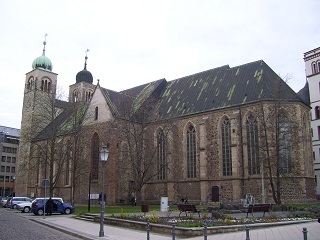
column 136, row 42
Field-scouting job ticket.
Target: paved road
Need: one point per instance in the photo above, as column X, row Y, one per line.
column 14, row 226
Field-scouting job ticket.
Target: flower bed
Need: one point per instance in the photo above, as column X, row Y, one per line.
column 190, row 226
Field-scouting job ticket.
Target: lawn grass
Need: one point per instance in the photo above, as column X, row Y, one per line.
column 94, row 209
column 81, row 209
column 304, row 205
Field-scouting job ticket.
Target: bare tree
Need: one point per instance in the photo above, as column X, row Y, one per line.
column 139, row 151
column 280, row 135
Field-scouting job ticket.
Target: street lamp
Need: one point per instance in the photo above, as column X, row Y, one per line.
column 104, row 153
column 13, row 179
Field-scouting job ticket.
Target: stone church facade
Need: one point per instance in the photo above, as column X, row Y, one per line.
column 214, row 136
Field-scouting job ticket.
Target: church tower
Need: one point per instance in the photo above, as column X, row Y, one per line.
column 312, row 64
column 83, row 89
column 39, row 96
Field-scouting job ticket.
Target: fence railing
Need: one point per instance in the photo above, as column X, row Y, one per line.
column 205, row 235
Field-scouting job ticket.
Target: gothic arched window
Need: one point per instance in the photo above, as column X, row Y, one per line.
column 226, row 148
column 95, row 156
column 68, row 163
column 305, row 143
column 191, row 152
column 284, row 137
column 252, row 145
column 161, row 163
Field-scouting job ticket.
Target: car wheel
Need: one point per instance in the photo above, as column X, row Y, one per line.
column 40, row 211
column 14, row 206
column 67, row 211
column 26, row 209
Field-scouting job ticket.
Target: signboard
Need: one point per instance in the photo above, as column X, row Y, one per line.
column 45, row 183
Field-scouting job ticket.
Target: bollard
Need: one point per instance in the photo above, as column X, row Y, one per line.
column 205, row 235
column 247, row 233
column 305, row 237
column 173, row 231
column 148, row 230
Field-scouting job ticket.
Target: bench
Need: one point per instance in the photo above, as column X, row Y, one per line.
column 264, row 207
column 188, row 208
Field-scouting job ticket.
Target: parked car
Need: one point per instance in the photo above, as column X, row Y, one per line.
column 16, row 200
column 26, row 206
column 3, row 201
column 38, row 206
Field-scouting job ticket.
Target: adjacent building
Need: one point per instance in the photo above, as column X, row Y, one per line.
column 312, row 63
column 213, row 136
column 9, row 140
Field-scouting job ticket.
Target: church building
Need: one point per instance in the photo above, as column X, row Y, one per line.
column 213, row 136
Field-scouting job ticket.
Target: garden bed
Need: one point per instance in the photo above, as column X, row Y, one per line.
column 186, row 227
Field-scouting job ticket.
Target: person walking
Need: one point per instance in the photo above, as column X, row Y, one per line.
column 49, row 206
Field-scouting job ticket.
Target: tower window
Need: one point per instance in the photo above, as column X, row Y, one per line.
column 46, row 85
column 88, row 96
column 30, row 84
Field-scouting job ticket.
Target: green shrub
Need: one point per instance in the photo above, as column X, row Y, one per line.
column 124, row 215
column 154, row 218
column 205, row 216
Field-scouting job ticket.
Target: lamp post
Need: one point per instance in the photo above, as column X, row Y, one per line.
column 4, row 186
column 104, row 153
column 13, row 191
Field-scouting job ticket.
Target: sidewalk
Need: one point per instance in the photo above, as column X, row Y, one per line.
column 90, row 230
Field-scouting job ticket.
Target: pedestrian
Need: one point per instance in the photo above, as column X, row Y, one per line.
column 186, row 200
column 133, row 201
column 49, row 206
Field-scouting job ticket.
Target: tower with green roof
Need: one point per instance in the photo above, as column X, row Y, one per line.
column 39, row 96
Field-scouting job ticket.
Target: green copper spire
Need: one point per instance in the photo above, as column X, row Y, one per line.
column 42, row 61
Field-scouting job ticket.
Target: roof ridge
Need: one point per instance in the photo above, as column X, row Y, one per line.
column 221, row 67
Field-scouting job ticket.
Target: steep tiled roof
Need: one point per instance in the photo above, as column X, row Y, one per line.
column 65, row 123
column 128, row 102
column 304, row 94
column 218, row 88
column 221, row 88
